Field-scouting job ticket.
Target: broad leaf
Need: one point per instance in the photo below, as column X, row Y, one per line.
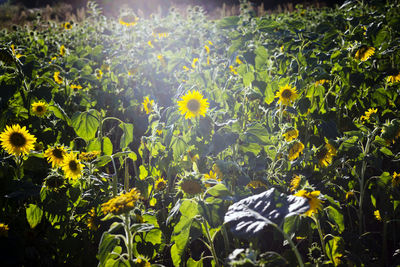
column 250, row 216
column 34, row 215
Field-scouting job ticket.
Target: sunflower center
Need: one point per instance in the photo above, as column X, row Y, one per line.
column 39, row 109
column 287, row 93
column 17, row 139
column 193, row 105
column 149, row 106
column 58, row 153
column 73, row 165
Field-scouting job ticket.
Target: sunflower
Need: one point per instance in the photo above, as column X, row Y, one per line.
column 88, row 156
column 377, row 215
column 396, row 179
column 67, row 26
column 99, row 73
column 122, row 203
column 211, row 176
column 162, row 60
column 233, row 70
column 75, row 87
column 368, row 113
column 160, row 184
column 39, row 108
column 92, row 221
column 295, row 150
column 238, row 61
column 256, row 184
column 313, row 201
column 207, row 48
column 52, row 60
column 295, row 182
column 62, row 50
column 16, row 140
column 4, row 230
column 191, row 186
column 393, row 78
column 54, row 181
column 291, row 135
column 195, row 60
column 148, row 105
column 193, row 104
column 349, row 194
column 57, row 77
column 321, row 82
column 287, row 95
column 128, row 20
column 364, row 53
column 71, row 166
column 150, row 44
column 55, row 155
column 325, row 155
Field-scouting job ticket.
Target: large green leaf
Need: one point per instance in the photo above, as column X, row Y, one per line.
column 34, row 215
column 127, row 136
column 250, row 216
column 86, row 124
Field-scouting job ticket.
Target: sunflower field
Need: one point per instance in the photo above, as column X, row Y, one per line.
column 176, row 140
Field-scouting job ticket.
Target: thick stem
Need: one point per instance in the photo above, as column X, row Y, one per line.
column 294, row 248
column 214, row 254
column 128, row 235
column 321, row 235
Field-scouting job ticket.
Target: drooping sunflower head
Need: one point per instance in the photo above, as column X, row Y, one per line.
column 89, row 156
column 313, row 200
column 71, row 166
column 255, row 184
column 295, row 182
column 191, row 186
column 291, row 135
column 391, row 131
column 55, row 155
column 295, row 150
column 325, row 155
column 193, row 105
column 395, row 179
column 62, row 50
column 39, row 108
column 92, row 220
column 148, row 105
column 99, row 73
column 368, row 114
column 128, row 20
column 122, row 203
column 54, row 181
column 364, row 53
column 57, row 77
column 286, row 95
column 16, row 140
column 393, row 78
column 160, row 184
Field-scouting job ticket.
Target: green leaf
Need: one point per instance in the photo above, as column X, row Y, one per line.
column 218, row 190
column 228, row 22
column 95, row 145
column 106, row 246
column 335, row 249
column 60, row 113
column 248, row 78
column 132, row 156
column 86, row 124
column 143, row 173
column 34, row 215
column 256, row 133
column 261, row 57
column 386, row 151
column 291, row 224
column 336, row 217
column 127, row 136
column 178, row 146
column 193, row 263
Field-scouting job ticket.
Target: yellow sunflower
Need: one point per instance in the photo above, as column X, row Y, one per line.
column 396, row 179
column 4, row 229
column 233, row 70
column 207, row 48
column 148, row 105
column 321, row 82
column 313, row 200
column 238, row 61
column 128, row 20
column 195, row 60
column 67, row 26
column 57, row 77
column 286, row 95
column 88, row 156
column 92, row 221
column 193, row 104
column 71, row 166
column 62, row 50
column 368, row 113
column 377, row 215
column 295, row 150
column 122, row 203
column 39, row 108
column 291, row 135
column 211, row 176
column 295, row 182
column 256, row 184
column 349, row 194
column 325, row 155
column 55, row 155
column 99, row 73
column 75, row 87
column 16, row 140
column 364, row 53
column 160, row 184
column 393, row 78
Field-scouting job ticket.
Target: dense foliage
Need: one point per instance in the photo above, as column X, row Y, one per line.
column 180, row 141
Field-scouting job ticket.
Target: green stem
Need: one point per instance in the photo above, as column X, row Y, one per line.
column 126, row 176
column 214, row 254
column 321, row 235
column 128, row 235
column 294, row 248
